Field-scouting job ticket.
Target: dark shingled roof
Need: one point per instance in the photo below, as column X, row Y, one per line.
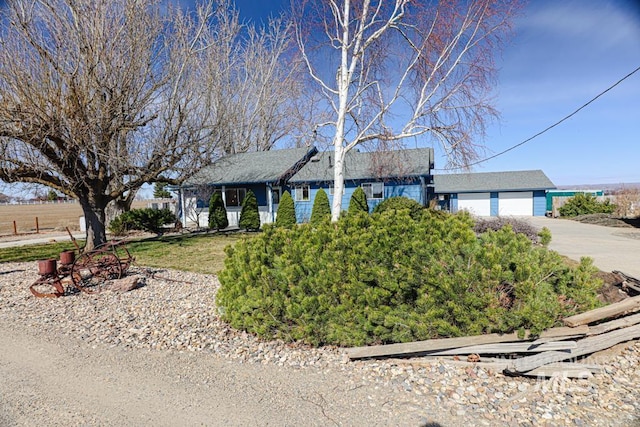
column 252, row 168
column 492, row 181
column 367, row 165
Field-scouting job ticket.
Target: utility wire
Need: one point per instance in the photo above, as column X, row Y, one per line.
column 550, row 127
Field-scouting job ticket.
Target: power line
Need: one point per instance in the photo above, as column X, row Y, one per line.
column 549, row 127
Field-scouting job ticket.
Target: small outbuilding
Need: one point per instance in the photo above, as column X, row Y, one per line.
column 512, row 193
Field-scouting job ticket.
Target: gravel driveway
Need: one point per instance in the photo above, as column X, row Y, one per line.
column 611, row 248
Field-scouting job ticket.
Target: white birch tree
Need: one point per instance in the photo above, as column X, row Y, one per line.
column 396, row 69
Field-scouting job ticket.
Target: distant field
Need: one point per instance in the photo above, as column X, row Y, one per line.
column 51, row 216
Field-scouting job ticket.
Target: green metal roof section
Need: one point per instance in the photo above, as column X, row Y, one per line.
column 253, row 168
column 492, row 181
column 361, row 165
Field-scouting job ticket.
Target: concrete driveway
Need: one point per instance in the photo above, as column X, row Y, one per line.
column 32, row 239
column 610, row 248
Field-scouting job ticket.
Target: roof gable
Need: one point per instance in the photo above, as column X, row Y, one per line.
column 492, row 181
column 254, row 167
column 368, row 165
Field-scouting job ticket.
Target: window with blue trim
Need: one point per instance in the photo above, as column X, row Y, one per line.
column 373, row 190
column 302, row 193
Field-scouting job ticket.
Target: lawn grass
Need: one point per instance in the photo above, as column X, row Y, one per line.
column 199, row 253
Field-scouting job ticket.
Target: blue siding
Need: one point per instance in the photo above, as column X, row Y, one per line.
column 539, row 203
column 411, row 190
column 454, row 202
column 494, row 209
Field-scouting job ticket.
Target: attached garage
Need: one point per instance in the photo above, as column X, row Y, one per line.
column 515, row 203
column 513, row 193
column 476, row 203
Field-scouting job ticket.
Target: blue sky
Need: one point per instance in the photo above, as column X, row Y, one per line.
column 562, row 54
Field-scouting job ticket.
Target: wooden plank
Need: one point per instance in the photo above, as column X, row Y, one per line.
column 570, row 369
column 627, row 281
column 569, row 337
column 628, row 305
column 623, row 322
column 422, row 347
column 560, row 371
column 506, row 348
column 565, row 331
column 585, row 346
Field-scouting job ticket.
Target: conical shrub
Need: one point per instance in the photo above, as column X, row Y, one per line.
column 286, row 215
column 321, row 209
column 217, row 212
column 249, row 215
column 358, row 202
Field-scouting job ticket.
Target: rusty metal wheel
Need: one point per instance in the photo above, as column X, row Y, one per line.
column 43, row 287
column 92, row 269
column 122, row 252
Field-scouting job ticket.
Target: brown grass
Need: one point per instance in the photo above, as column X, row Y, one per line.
column 51, row 216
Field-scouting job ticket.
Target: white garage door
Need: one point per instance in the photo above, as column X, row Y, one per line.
column 476, row 203
column 515, row 203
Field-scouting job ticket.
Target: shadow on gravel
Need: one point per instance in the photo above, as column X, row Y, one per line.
column 9, row 272
column 633, row 222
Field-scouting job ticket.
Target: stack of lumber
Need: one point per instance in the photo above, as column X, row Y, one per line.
column 554, row 352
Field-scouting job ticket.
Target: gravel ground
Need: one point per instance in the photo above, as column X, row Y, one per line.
column 171, row 325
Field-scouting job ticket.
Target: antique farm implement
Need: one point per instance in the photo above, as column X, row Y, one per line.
column 85, row 272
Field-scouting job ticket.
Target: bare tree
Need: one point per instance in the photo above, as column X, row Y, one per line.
column 395, row 69
column 98, row 97
column 263, row 86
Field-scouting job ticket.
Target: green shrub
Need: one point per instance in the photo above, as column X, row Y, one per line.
column 151, row 220
column 584, row 204
column 400, row 202
column 321, row 209
column 544, row 236
column 389, row 277
column 358, row 202
column 249, row 215
column 217, row 212
column 286, row 215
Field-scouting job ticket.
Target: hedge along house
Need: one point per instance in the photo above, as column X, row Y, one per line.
column 513, row 193
column 266, row 173
column 381, row 174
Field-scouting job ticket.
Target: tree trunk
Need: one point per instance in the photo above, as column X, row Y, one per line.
column 94, row 217
column 338, row 182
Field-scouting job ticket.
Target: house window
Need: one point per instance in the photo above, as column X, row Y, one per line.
column 302, row 193
column 234, row 196
column 373, row 190
column 275, row 195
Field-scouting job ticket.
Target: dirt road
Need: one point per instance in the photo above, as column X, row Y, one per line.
column 70, row 383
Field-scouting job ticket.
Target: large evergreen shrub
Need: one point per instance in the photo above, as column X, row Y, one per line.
column 147, row 219
column 398, row 203
column 358, row 202
column 249, row 215
column 321, row 209
column 584, row 204
column 390, row 277
column 217, row 212
column 286, row 215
